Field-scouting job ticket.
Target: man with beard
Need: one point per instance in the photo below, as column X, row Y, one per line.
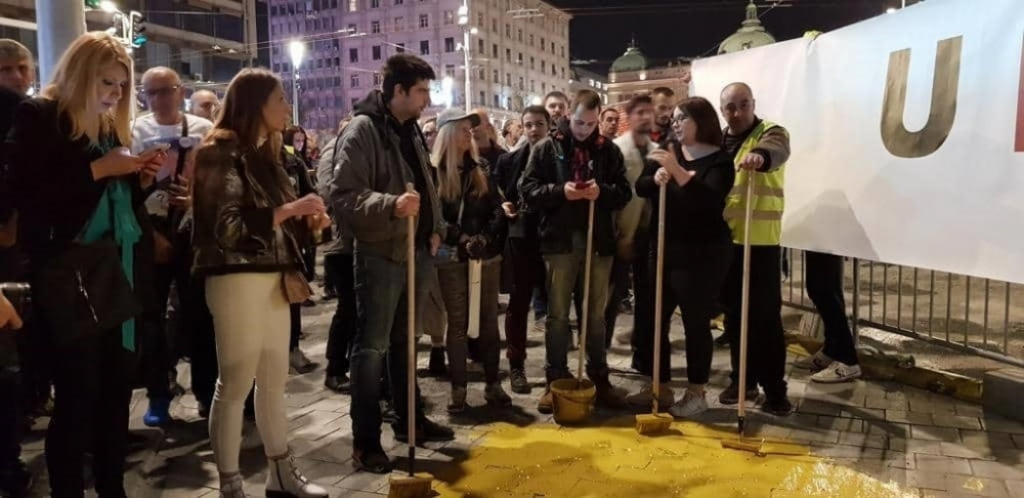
column 664, row 100
column 556, row 103
column 381, row 151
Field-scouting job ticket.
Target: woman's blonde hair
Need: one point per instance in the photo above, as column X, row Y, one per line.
column 74, row 86
column 448, row 161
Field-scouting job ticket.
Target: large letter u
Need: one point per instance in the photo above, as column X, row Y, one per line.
column 898, row 140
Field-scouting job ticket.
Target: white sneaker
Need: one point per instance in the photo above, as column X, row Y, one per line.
column 816, row 362
column 837, row 372
column 645, row 397
column 690, row 406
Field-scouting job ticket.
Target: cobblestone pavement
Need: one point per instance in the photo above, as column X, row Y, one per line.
column 921, row 443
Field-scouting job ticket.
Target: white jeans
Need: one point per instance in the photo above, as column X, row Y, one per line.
column 251, row 319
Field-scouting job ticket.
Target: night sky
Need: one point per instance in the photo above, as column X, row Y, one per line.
column 601, row 29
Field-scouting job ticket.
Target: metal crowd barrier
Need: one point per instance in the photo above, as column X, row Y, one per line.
column 978, row 316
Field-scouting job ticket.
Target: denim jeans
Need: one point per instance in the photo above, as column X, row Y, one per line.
column 343, row 325
column 381, row 301
column 562, row 273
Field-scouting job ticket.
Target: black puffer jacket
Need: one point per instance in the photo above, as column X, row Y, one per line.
column 481, row 215
column 543, row 189
column 236, row 192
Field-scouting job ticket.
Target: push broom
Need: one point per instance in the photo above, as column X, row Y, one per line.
column 655, row 422
column 741, row 410
column 411, row 486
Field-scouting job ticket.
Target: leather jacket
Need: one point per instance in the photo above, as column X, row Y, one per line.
column 236, row 193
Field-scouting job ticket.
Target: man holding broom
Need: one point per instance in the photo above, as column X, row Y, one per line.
column 759, row 150
column 566, row 172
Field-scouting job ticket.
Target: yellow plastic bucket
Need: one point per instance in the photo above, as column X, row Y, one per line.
column 573, row 400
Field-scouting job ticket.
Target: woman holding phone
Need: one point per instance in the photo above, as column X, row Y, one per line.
column 76, row 187
column 697, row 176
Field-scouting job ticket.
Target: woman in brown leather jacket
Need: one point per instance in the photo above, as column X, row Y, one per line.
column 247, row 223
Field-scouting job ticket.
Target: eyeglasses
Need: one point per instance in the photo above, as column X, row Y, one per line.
column 679, row 118
column 161, row 92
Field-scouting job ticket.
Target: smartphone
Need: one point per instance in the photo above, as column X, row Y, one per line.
column 584, row 185
column 156, row 148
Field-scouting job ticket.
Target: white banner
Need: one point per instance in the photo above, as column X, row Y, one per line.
column 933, row 180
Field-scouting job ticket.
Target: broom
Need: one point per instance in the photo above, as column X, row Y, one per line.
column 411, row 486
column 656, row 423
column 740, row 443
column 586, row 296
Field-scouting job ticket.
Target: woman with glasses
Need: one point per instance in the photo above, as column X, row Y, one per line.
column 697, row 176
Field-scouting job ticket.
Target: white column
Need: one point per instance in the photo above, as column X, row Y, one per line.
column 59, row 23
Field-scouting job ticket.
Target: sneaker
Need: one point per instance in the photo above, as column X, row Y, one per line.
column 546, row 404
column 338, row 383
column 158, row 414
column 837, row 372
column 458, row 401
column 689, row 406
column 540, row 326
column 644, row 398
column 777, row 405
column 731, row 394
column 624, row 338
column 308, row 303
column 427, row 431
column 373, row 460
column 520, row 384
column 815, row 363
column 496, row 395
column 437, row 367
column 299, row 364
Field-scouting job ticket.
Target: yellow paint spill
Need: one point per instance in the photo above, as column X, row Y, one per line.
column 553, row 461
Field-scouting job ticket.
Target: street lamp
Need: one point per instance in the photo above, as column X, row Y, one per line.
column 466, row 30
column 297, row 50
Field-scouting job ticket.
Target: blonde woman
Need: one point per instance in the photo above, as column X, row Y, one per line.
column 75, row 183
column 471, row 206
column 247, row 223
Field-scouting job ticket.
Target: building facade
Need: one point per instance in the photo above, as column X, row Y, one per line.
column 585, row 79
column 633, row 74
column 207, row 41
column 518, row 51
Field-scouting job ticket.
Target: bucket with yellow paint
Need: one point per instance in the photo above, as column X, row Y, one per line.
column 573, row 400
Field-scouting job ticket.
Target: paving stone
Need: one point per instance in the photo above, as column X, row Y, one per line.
column 863, row 440
column 957, row 421
column 926, row 479
column 1016, row 487
column 949, row 465
column 970, row 409
column 999, row 424
column 976, row 486
column 981, row 439
column 909, row 417
column 959, row 450
column 934, row 433
column 996, row 470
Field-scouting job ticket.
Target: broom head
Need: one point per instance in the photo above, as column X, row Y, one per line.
column 653, row 423
column 406, row 486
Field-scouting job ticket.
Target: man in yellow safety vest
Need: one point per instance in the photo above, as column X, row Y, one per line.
column 760, row 149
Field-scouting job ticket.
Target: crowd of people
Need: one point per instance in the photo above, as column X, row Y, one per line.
column 148, row 239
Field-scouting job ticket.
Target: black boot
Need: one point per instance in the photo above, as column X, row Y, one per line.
column 608, row 396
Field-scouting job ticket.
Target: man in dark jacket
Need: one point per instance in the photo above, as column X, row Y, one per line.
column 382, row 150
column 572, row 166
column 523, row 242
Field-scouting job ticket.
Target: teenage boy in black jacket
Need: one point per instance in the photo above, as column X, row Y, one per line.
column 566, row 171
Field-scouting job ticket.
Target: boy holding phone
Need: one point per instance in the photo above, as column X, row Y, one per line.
column 567, row 171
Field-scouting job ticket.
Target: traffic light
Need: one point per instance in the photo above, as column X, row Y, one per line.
column 137, row 36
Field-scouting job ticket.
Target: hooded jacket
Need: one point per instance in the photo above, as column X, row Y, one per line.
column 543, row 189
column 472, row 215
column 371, row 176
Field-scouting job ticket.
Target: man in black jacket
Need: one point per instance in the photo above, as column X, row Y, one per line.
column 523, row 243
column 381, row 152
column 566, row 170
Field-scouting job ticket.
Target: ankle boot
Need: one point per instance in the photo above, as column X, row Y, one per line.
column 285, row 481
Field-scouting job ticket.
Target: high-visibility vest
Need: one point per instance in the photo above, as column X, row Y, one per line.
column 769, row 201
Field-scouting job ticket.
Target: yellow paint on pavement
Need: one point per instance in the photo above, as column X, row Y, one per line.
column 552, row 461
